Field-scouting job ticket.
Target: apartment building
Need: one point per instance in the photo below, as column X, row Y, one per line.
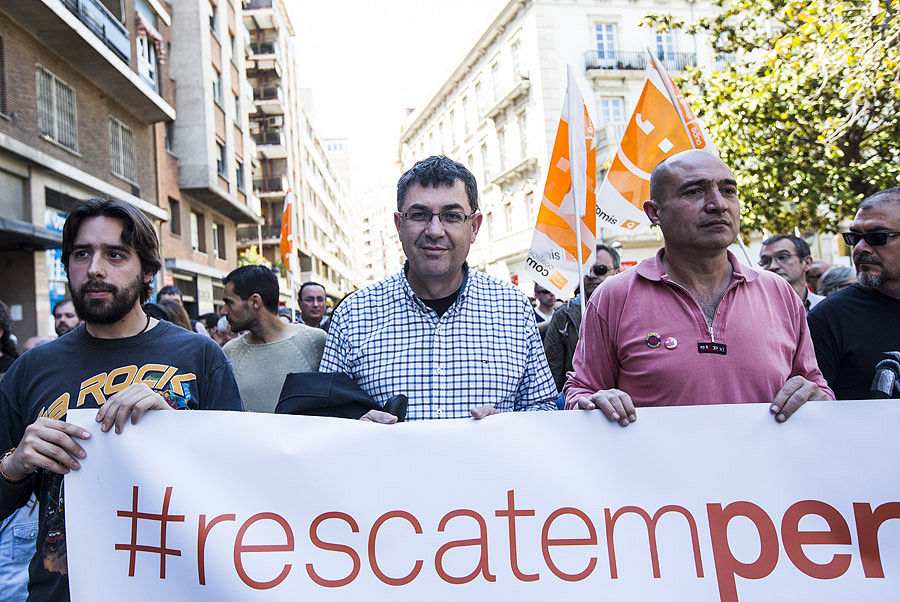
column 381, row 253
column 291, row 156
column 498, row 111
column 82, row 84
column 206, row 155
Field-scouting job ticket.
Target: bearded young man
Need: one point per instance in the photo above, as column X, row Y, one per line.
column 119, row 360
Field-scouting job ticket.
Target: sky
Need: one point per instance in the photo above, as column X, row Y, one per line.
column 366, row 61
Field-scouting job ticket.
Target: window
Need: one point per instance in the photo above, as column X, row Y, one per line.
column 2, row 79
column 479, row 98
column 146, row 60
column 217, row 88
column 495, row 79
column 220, row 159
column 612, row 110
column 57, row 120
column 237, row 110
column 454, row 126
column 219, row 240
column 501, row 144
column 467, row 113
column 121, row 150
column 521, row 119
column 485, row 174
column 174, row 216
column 665, row 49
column 516, row 67
column 606, row 38
column 170, row 136
column 239, row 174
column 198, row 232
column 212, row 17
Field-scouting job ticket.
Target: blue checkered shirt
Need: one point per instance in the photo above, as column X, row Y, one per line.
column 484, row 350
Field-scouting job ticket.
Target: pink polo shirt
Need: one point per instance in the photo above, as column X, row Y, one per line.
column 645, row 335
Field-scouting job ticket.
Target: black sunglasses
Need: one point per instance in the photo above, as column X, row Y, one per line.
column 873, row 239
column 601, row 270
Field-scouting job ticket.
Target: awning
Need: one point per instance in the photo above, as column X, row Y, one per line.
column 145, row 29
column 16, row 235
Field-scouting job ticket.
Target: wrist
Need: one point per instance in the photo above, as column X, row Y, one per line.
column 7, row 473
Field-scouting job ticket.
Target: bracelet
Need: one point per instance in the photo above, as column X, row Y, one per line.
column 5, row 476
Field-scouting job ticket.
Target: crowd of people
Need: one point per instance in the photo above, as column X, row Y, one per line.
column 691, row 325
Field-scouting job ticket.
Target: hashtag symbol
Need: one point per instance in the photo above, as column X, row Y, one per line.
column 163, row 518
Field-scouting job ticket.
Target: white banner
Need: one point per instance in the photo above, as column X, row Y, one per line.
column 689, row 503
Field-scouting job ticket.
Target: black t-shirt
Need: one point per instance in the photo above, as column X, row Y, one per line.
column 78, row 370
column 443, row 304
column 852, row 330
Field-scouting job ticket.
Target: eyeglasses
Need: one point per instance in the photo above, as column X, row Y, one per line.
column 873, row 239
column 424, row 216
column 601, row 270
column 780, row 259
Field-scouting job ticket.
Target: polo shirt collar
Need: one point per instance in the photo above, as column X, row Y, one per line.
column 652, row 268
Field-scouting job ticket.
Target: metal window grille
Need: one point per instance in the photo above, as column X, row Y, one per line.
column 57, row 117
column 121, row 150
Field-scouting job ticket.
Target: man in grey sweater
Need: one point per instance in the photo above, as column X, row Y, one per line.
column 270, row 349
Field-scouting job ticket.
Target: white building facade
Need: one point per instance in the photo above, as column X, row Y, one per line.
column 498, row 111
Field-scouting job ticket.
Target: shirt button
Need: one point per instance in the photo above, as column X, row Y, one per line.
column 437, row 370
column 440, row 412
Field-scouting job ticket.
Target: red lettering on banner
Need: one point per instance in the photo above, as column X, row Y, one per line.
column 793, row 539
column 651, row 535
column 546, row 542
column 240, row 548
column 512, row 513
column 202, row 533
column 333, row 547
column 727, row 566
column 482, row 541
column 867, row 524
column 374, row 533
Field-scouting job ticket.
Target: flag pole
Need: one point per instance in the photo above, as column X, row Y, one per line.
column 576, row 137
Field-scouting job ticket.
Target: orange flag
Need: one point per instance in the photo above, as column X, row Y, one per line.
column 568, row 203
column 662, row 124
column 288, row 246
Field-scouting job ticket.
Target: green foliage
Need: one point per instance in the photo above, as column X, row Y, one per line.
column 808, row 114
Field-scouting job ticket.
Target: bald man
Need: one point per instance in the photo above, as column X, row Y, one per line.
column 692, row 325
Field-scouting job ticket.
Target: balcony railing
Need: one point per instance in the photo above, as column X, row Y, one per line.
column 265, row 138
column 678, row 61
column 103, row 24
column 594, row 59
column 251, row 234
column 277, row 184
column 265, row 48
column 251, row 4
column 267, row 93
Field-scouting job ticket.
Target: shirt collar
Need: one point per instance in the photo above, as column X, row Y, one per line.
column 652, row 268
column 417, row 302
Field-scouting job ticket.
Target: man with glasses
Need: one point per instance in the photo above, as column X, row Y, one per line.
column 691, row 325
column 789, row 257
column 856, row 331
column 456, row 342
column 562, row 335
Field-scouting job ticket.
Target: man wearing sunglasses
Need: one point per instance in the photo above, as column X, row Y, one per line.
column 855, row 330
column 789, row 257
column 692, row 325
column 456, row 342
column 562, row 335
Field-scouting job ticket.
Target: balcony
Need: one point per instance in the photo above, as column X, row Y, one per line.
column 678, row 61
column 264, row 56
column 271, row 144
column 254, row 4
column 96, row 42
column 269, row 100
column 274, row 186
column 518, row 92
column 609, row 135
column 250, row 234
column 104, row 25
column 260, row 15
column 618, row 61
